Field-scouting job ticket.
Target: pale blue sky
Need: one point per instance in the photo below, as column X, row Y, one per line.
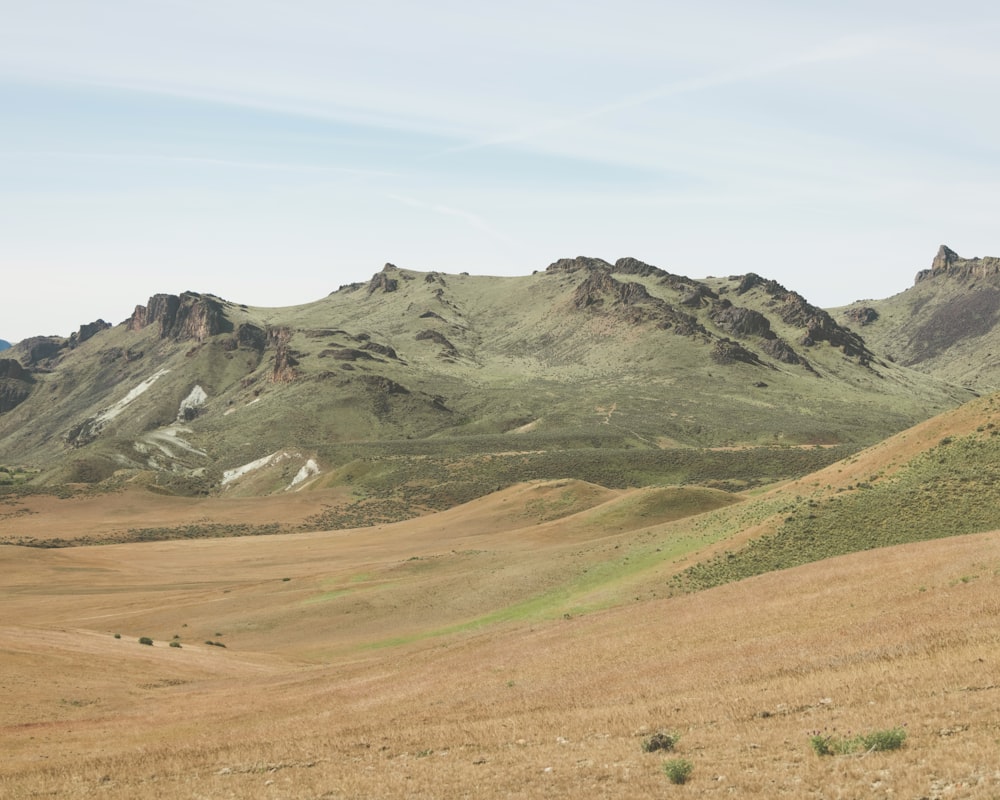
column 269, row 152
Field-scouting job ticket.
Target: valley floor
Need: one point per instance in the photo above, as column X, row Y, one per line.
column 435, row 659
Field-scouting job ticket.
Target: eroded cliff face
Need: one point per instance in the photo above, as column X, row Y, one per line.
column 286, row 360
column 187, row 316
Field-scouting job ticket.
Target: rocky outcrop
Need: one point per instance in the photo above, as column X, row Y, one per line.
column 781, row 351
column 12, row 369
column 15, row 384
column 113, row 354
column 12, row 394
column 381, row 349
column 600, row 285
column 817, row 325
column 384, row 281
column 948, row 263
column 741, row 321
column 379, row 390
column 633, row 266
column 601, row 292
column 447, row 348
column 40, row 351
column 744, row 322
column 346, row 354
column 88, row 331
column 251, row 337
column 285, row 359
column 725, row 351
column 571, row 265
column 862, row 315
column 187, row 316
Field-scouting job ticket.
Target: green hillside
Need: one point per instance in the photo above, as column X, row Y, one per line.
column 940, row 479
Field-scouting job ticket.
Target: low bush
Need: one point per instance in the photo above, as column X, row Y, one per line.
column 145, row 640
column 876, row 741
column 678, row 770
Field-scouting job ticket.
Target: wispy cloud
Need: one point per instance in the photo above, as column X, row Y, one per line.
column 843, row 48
column 242, row 164
column 469, row 218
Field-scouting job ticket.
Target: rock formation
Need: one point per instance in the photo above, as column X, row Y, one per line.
column 188, row 316
column 88, row 331
column 817, row 325
column 949, row 263
column 285, row 359
column 384, row 281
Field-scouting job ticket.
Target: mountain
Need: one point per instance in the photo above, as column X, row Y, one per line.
column 4, row 344
column 947, row 324
column 436, row 388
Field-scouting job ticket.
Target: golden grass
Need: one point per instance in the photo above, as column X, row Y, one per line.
column 299, row 705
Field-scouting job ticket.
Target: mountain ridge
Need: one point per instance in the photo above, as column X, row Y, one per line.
column 585, row 354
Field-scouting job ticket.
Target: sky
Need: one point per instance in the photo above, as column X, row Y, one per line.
column 269, row 152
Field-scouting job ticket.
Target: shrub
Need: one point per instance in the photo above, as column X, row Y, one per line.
column 659, row 741
column 876, row 741
column 118, row 636
column 678, row 769
column 175, row 643
column 145, row 640
column 821, row 745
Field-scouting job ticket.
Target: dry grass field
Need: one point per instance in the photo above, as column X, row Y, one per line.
column 520, row 646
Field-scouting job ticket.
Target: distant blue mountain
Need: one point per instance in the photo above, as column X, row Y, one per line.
column 4, row 344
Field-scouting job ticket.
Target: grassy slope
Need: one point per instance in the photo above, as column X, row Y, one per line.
column 940, row 478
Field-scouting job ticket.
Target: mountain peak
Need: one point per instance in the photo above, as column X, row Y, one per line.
column 945, row 257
